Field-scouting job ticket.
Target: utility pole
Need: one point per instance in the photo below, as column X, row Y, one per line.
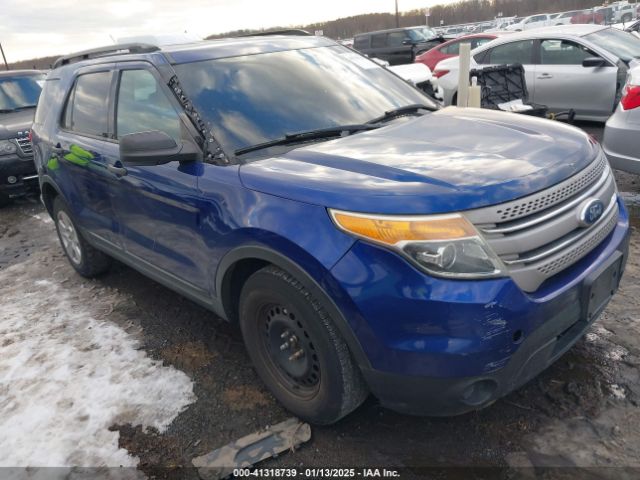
column 397, row 16
column 6, row 65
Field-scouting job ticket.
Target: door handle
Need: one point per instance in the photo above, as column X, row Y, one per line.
column 545, row 76
column 118, row 171
column 57, row 149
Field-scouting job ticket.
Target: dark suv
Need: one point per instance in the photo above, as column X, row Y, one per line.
column 363, row 239
column 397, row 46
column 19, row 92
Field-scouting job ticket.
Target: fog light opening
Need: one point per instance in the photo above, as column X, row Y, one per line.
column 12, row 179
column 518, row 336
column 479, row 392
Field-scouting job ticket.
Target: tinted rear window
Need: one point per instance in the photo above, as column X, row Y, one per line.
column 88, row 105
column 45, row 105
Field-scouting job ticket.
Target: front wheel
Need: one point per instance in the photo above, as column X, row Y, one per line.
column 84, row 258
column 297, row 350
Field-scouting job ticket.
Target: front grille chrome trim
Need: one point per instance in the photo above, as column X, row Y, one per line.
column 25, row 145
column 553, row 212
column 569, row 241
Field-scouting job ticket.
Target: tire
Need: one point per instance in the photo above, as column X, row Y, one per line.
column 626, row 18
column 297, row 350
column 86, row 260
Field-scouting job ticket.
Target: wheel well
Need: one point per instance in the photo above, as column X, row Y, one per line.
column 234, row 278
column 48, row 195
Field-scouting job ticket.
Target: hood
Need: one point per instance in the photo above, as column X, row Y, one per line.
column 450, row 160
column 14, row 122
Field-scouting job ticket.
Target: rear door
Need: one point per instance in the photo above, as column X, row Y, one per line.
column 157, row 206
column 521, row 52
column 562, row 83
column 84, row 151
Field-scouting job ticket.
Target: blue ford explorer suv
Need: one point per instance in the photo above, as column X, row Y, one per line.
column 363, row 239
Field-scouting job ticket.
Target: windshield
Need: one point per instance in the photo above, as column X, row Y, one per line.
column 622, row 44
column 424, row 33
column 20, row 91
column 255, row 99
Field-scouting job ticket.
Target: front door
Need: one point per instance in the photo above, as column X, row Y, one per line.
column 562, row 83
column 158, row 206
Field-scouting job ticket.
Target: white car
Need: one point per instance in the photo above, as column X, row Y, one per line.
column 579, row 67
column 565, row 18
column 624, row 12
column 534, row 21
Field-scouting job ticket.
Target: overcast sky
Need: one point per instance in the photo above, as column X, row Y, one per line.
column 37, row 28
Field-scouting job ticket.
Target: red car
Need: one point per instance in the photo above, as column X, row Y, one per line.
column 452, row 48
column 589, row 16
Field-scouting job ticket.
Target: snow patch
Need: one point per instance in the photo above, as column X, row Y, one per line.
column 617, row 391
column 617, row 353
column 66, row 377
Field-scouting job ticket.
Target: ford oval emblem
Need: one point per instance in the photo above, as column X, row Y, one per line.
column 590, row 212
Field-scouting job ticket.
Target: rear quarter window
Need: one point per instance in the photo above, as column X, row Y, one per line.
column 46, row 100
column 361, row 42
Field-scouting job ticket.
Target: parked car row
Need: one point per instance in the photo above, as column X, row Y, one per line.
column 617, row 12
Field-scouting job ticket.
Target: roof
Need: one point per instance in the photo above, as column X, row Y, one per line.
column 197, row 51
column 562, row 30
column 19, row 73
column 390, row 30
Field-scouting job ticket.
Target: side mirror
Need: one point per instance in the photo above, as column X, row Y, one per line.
column 594, row 62
column 407, row 42
column 154, row 148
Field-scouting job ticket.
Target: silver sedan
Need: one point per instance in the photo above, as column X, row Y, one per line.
column 622, row 133
column 580, row 67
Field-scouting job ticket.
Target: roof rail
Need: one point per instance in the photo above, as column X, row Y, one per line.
column 291, row 31
column 105, row 51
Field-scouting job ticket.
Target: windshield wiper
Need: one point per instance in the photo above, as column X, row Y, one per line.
column 24, row 107
column 399, row 112
column 293, row 138
column 9, row 110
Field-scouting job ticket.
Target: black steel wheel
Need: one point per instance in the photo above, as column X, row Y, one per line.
column 296, row 348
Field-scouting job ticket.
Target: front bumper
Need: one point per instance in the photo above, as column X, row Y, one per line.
column 444, row 347
column 23, row 170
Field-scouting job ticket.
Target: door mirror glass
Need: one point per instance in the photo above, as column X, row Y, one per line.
column 594, row 62
column 153, row 148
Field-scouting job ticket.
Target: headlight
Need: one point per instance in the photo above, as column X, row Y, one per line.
column 7, row 147
column 442, row 245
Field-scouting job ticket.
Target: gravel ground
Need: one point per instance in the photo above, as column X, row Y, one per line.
column 583, row 411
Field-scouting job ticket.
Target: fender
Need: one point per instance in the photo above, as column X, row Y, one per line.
column 260, row 252
column 46, row 180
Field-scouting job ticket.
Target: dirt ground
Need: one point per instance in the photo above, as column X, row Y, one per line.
column 583, row 411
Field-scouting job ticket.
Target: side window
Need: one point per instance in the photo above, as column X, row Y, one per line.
column 361, row 42
column 453, row 49
column 395, row 39
column 562, row 52
column 478, row 42
column 515, row 52
column 87, row 109
column 143, row 106
column 379, row 41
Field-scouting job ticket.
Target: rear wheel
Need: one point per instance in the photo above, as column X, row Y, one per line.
column 85, row 259
column 296, row 348
column 626, row 18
